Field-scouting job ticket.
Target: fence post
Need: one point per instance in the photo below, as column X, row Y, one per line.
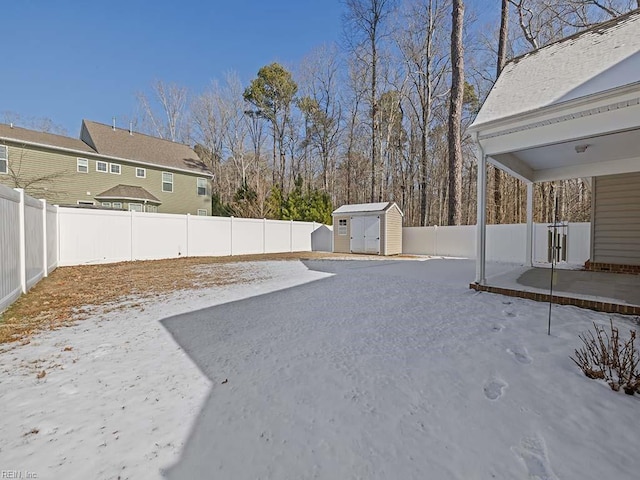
column 264, row 235
column 291, row 235
column 186, row 254
column 22, row 234
column 45, row 260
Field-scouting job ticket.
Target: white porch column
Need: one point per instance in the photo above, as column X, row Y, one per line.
column 529, row 255
column 481, row 223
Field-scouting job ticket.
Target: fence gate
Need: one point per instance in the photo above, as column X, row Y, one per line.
column 557, row 244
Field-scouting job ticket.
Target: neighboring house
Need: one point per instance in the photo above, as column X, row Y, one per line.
column 572, row 110
column 107, row 167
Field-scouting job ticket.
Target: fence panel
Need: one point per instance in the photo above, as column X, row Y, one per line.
column 301, row 236
column 158, row 235
column 93, row 236
column 247, row 236
column 579, row 250
column 10, row 285
column 209, row 236
column 277, row 236
column 505, row 243
column 418, row 240
column 221, row 239
column 458, row 241
column 33, row 240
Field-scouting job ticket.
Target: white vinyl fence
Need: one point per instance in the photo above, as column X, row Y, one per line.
column 505, row 243
column 28, row 243
column 103, row 236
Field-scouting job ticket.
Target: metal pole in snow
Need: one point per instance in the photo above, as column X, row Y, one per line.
column 554, row 252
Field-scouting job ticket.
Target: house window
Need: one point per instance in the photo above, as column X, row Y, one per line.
column 135, row 207
column 342, row 226
column 4, row 159
column 141, row 172
column 167, row 182
column 114, row 168
column 83, row 166
column 101, row 166
column 106, row 204
column 202, row 212
column 202, row 186
column 117, row 205
column 151, row 208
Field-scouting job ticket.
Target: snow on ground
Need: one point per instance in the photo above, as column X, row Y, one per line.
column 385, row 370
column 118, row 397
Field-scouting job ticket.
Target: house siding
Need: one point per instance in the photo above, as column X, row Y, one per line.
column 616, row 219
column 68, row 186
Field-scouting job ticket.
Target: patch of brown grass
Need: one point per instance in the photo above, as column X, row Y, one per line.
column 69, row 293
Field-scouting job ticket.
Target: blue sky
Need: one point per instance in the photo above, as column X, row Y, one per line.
column 73, row 59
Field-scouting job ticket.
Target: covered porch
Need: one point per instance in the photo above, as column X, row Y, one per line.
column 605, row 292
column 571, row 110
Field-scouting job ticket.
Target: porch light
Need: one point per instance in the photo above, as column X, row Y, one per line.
column 581, row 148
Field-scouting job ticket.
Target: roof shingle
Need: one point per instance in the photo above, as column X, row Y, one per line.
column 128, row 192
column 19, row 134
column 600, row 58
column 140, row 147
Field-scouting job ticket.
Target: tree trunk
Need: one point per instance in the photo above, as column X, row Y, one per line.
column 374, row 113
column 454, row 137
column 502, row 59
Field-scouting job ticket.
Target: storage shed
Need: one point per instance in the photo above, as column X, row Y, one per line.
column 372, row 228
column 322, row 239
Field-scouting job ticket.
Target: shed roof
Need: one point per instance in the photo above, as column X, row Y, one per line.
column 128, row 192
column 366, row 208
column 600, row 58
column 121, row 143
column 19, row 134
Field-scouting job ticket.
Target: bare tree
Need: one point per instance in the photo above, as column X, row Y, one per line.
column 166, row 114
column 320, row 106
column 544, row 21
column 502, row 60
column 41, row 124
column 422, row 47
column 38, row 185
column 365, row 24
column 455, row 114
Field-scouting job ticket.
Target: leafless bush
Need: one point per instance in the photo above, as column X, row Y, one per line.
column 605, row 356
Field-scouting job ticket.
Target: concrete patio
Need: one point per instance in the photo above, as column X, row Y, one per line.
column 601, row 291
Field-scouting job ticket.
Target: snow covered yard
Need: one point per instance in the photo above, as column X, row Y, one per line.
column 117, row 397
column 383, row 370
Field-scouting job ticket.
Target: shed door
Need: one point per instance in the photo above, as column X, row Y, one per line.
column 365, row 234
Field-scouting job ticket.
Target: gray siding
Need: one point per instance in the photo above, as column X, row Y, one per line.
column 616, row 219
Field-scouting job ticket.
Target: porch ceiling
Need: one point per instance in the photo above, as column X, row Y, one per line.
column 605, row 154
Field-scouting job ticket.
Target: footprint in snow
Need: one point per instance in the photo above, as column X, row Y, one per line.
column 497, row 327
column 494, row 388
column 508, row 314
column 521, row 355
column 533, row 452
